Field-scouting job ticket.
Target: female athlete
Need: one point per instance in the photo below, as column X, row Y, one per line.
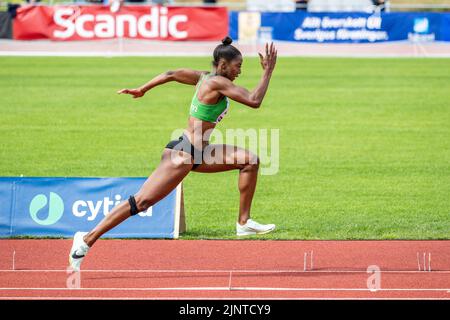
column 192, row 152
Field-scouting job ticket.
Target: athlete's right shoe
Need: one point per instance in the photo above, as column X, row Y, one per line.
column 251, row 227
column 78, row 251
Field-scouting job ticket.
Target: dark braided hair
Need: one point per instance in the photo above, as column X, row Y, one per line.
column 225, row 51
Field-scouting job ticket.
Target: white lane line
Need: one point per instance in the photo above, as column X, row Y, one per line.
column 222, row 271
column 224, row 289
column 207, row 298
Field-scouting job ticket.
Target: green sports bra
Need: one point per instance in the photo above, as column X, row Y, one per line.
column 208, row 112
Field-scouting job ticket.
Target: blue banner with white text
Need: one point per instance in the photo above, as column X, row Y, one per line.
column 349, row 27
column 59, row 207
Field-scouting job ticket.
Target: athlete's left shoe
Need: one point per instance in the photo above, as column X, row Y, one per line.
column 78, row 251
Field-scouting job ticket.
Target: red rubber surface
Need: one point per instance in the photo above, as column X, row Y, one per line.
column 181, row 269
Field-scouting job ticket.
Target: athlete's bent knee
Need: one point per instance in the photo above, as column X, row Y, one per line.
column 251, row 167
column 252, row 163
column 255, row 160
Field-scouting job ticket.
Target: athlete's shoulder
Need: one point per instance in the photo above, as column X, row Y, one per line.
column 218, row 82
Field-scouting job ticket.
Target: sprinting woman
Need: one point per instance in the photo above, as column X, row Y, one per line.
column 192, row 152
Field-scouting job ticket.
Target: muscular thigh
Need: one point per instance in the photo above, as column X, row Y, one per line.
column 169, row 173
column 222, row 157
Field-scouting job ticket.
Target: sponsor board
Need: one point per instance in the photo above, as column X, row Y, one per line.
column 58, row 207
column 136, row 22
column 350, row 27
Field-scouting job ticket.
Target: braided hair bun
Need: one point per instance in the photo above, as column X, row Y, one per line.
column 227, row 41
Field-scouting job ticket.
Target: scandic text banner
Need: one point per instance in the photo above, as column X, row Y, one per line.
column 138, row 22
column 58, row 207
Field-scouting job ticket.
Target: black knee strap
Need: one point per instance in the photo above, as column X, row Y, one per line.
column 133, row 207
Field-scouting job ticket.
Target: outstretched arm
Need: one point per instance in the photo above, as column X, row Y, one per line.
column 186, row 76
column 254, row 98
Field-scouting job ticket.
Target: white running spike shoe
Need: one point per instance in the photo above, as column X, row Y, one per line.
column 78, row 251
column 252, row 227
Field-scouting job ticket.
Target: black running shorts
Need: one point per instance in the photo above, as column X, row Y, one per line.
column 183, row 144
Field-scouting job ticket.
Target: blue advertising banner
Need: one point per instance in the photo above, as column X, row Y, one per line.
column 58, row 207
column 347, row 27
column 445, row 28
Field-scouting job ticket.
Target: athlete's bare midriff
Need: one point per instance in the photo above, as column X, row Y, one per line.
column 198, row 132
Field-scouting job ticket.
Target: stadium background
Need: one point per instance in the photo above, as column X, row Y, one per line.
column 364, row 148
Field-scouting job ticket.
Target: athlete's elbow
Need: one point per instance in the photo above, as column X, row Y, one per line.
column 170, row 75
column 255, row 104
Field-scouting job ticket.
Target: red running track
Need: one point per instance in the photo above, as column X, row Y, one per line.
column 241, row 269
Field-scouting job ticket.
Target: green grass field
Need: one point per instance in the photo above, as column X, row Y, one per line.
column 364, row 143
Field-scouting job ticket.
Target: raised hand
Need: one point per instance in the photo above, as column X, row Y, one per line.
column 270, row 59
column 136, row 93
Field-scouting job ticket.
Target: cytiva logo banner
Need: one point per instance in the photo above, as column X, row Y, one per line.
column 139, row 22
column 48, row 209
column 61, row 206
